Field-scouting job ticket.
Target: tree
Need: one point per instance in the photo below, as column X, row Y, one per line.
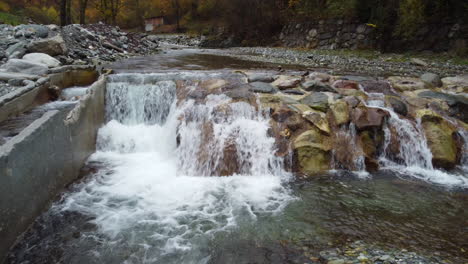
column 83, row 5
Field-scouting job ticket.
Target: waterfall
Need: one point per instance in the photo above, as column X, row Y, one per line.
column 464, row 158
column 157, row 187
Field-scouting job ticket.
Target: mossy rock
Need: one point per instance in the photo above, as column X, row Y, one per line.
column 312, row 152
column 439, row 135
column 340, row 112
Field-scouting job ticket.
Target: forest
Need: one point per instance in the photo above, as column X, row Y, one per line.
column 246, row 18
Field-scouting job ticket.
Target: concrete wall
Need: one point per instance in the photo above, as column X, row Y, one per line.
column 46, row 156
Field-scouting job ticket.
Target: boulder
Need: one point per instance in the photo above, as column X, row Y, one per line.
column 16, row 50
column 340, row 112
column 457, row 83
column 312, row 153
column 403, row 84
column 368, row 117
column 262, row 87
column 318, row 119
column 24, row 66
column 52, row 46
column 317, row 86
column 318, row 101
column 285, row 82
column 42, row 58
column 260, row 77
column 398, row 105
column 382, row 87
column 440, row 139
column 39, row 31
column 432, row 79
column 346, row 84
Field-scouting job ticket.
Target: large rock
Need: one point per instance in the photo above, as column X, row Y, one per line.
column 39, row 31
column 16, row 50
column 262, row 87
column 285, row 82
column 403, row 84
column 42, row 58
column 440, row 139
column 457, row 83
column 398, row 105
column 319, row 76
column 53, row 46
column 318, row 101
column 340, row 112
column 318, row 119
column 312, row 153
column 24, row 66
column 317, row 86
column 432, row 79
column 367, row 118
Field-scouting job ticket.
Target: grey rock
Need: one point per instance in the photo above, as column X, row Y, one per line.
column 432, row 78
column 24, row 66
column 52, row 46
column 398, row 106
column 16, row 50
column 42, row 58
column 418, row 62
column 260, row 77
column 262, row 87
column 293, row 91
column 16, row 82
column 317, row 86
column 39, row 31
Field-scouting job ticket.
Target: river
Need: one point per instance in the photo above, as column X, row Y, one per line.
column 146, row 197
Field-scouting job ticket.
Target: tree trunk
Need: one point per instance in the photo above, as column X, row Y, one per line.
column 69, row 16
column 63, row 12
column 83, row 5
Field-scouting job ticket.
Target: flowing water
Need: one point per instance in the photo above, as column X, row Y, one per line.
column 154, row 191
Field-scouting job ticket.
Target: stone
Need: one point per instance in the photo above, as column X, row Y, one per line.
column 312, row 153
column 432, row 78
column 318, row 101
column 318, row 119
column 317, row 86
column 361, row 29
column 398, row 105
column 403, row 84
column 39, row 31
column 262, row 87
column 285, row 82
column 240, row 93
column 52, row 46
column 356, row 78
column 42, row 58
column 16, row 51
column 418, row 62
column 340, row 112
column 260, row 77
column 345, row 84
column 382, row 87
column 368, row 118
column 24, row 66
column 440, row 139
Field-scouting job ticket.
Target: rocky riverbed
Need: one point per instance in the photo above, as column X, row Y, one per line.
column 369, row 63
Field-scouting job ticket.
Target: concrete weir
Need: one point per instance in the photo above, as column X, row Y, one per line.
column 37, row 163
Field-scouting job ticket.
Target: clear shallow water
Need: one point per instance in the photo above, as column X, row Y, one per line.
column 146, row 197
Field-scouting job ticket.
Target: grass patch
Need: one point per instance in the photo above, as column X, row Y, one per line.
column 7, row 18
